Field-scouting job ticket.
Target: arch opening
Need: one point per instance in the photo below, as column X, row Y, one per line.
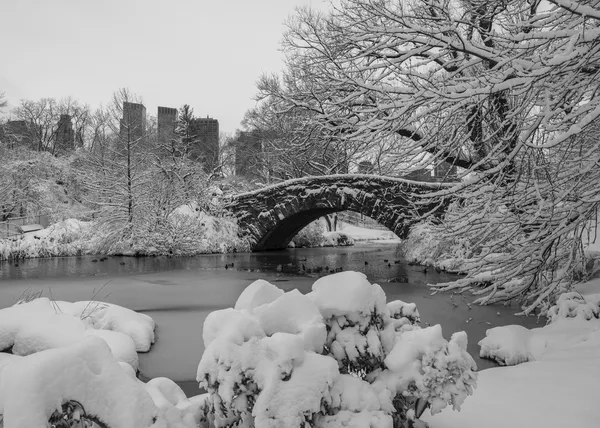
column 285, row 232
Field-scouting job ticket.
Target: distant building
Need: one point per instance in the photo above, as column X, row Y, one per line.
column 248, row 155
column 167, row 118
column 65, row 136
column 206, row 149
column 133, row 123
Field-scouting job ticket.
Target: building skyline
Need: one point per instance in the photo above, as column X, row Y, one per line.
column 248, row 154
column 166, row 121
column 65, row 136
column 206, row 147
column 132, row 126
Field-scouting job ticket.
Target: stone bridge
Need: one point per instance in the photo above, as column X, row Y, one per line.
column 272, row 216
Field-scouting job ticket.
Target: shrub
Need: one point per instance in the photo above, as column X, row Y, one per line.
column 335, row 357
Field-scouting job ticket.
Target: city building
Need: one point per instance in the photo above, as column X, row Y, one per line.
column 133, row 124
column 206, row 147
column 248, row 155
column 65, row 136
column 167, row 118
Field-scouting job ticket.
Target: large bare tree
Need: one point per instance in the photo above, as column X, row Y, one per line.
column 505, row 90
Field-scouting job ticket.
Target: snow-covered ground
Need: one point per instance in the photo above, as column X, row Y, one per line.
column 363, row 234
column 187, row 232
column 556, row 383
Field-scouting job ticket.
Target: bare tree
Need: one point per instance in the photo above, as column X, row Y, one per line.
column 3, row 101
column 505, row 90
column 116, row 170
column 42, row 121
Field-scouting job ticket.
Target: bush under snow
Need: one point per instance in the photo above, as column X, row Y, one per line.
column 186, row 232
column 338, row 356
column 428, row 246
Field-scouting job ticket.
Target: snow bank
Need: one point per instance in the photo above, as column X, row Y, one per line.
column 336, row 239
column 572, row 320
column 575, row 305
column 42, row 324
column 33, row 387
column 363, row 234
column 555, row 382
column 339, row 356
column 107, row 316
column 66, row 238
column 83, row 352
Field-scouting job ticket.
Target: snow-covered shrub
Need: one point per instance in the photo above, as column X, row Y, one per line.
column 575, row 305
column 426, row 244
column 66, row 238
column 336, row 239
column 311, row 235
column 338, row 356
column 187, row 231
column 508, row 345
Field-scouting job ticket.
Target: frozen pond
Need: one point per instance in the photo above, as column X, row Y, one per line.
column 180, row 292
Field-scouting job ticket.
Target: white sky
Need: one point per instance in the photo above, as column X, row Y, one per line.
column 206, row 53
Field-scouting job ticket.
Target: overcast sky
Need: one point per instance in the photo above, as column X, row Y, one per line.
column 206, row 53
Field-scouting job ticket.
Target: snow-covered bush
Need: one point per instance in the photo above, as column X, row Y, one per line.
column 338, row 356
column 336, row 239
column 314, row 235
column 426, row 244
column 66, row 238
column 575, row 305
column 311, row 235
column 187, row 231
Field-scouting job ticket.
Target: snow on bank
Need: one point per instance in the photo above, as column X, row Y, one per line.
column 425, row 246
column 556, row 380
column 41, row 324
column 186, row 232
column 363, row 234
column 66, row 238
column 83, row 352
column 338, row 356
column 32, row 388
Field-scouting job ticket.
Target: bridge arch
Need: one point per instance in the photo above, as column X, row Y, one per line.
column 272, row 216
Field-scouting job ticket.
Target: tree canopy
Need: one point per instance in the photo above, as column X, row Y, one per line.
column 505, row 90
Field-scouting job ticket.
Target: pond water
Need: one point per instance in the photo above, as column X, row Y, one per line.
column 180, row 292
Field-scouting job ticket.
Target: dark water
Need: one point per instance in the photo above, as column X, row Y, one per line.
column 380, row 261
column 178, row 293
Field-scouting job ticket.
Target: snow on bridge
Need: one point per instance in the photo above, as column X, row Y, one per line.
column 272, row 216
